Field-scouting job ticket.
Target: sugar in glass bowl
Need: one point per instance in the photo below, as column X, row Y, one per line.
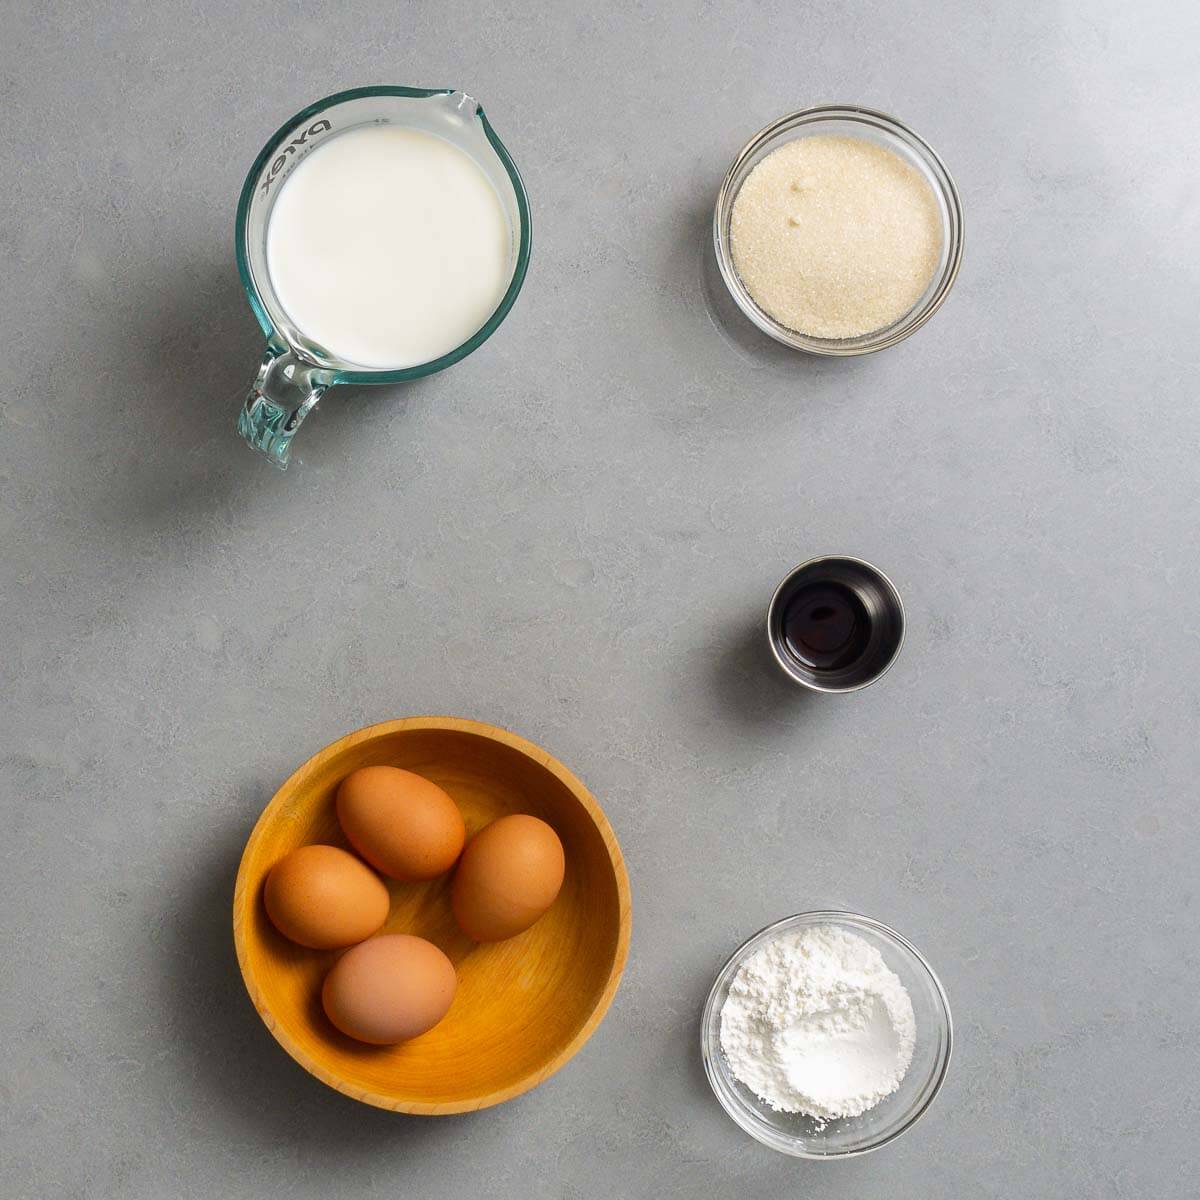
column 802, row 1136
column 883, row 130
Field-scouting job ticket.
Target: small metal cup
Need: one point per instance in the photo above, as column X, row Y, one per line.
column 885, row 610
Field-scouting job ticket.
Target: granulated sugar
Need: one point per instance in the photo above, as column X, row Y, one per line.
column 835, row 237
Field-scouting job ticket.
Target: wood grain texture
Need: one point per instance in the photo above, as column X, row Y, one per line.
column 524, row 1006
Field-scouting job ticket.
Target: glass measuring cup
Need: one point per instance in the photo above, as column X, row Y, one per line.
column 296, row 371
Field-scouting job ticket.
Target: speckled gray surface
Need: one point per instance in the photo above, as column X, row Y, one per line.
column 574, row 533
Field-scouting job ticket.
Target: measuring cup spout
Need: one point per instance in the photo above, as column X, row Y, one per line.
column 283, row 393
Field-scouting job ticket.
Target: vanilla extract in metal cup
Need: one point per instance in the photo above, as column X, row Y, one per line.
column 835, row 624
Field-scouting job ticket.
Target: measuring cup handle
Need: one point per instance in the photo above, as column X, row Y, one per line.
column 282, row 395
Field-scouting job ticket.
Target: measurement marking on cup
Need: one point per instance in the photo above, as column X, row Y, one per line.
column 277, row 166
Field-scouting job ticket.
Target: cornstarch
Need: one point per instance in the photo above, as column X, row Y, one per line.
column 817, row 1023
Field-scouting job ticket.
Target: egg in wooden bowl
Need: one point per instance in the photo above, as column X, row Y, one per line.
column 523, row 1006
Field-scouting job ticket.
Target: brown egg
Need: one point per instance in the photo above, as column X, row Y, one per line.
column 507, row 877
column 401, row 823
column 389, row 989
column 323, row 897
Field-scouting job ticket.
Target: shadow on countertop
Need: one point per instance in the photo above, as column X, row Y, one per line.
column 191, row 352
column 748, row 686
column 243, row 1083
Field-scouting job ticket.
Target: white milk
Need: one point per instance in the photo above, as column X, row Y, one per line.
column 388, row 246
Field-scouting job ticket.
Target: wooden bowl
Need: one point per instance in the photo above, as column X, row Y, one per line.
column 523, row 1006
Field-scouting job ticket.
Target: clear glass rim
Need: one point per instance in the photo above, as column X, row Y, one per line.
column 485, row 331
column 709, row 1052
column 948, row 199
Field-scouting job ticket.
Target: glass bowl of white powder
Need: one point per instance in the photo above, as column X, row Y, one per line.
column 838, row 230
column 826, row 1035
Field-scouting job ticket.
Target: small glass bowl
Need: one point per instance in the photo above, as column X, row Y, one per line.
column 799, row 1135
column 877, row 127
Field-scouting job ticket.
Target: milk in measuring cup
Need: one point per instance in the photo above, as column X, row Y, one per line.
column 388, row 246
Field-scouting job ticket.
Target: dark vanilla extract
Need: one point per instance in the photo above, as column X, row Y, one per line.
column 826, row 626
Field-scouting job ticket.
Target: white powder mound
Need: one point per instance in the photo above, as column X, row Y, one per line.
column 835, row 237
column 815, row 1022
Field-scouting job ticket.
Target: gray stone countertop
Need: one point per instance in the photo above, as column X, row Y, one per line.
column 574, row 534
